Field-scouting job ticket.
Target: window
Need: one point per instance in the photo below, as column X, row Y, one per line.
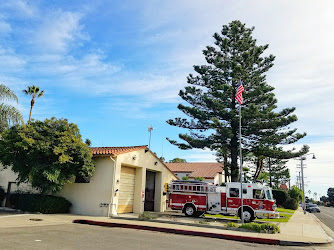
column 82, row 179
column 244, row 191
column 187, row 175
column 269, row 195
column 258, row 194
column 234, row 192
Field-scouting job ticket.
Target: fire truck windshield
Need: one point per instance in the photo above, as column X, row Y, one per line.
column 269, row 196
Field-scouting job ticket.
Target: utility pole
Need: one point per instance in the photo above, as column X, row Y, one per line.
column 150, row 128
column 302, row 170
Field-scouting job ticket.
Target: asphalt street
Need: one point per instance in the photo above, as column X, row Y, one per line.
column 326, row 216
column 75, row 236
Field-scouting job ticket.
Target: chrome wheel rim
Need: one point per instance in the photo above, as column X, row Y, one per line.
column 189, row 210
column 247, row 216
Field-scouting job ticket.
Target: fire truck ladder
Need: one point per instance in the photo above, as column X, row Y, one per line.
column 190, row 187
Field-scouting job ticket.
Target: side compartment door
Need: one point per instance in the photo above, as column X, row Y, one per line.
column 214, row 202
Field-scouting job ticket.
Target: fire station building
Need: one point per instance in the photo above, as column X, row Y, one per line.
column 126, row 180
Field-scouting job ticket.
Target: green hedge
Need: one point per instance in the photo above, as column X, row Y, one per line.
column 46, row 204
column 265, row 227
column 280, row 196
column 290, row 203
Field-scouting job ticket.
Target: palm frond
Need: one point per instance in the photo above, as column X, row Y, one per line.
column 7, row 94
column 10, row 115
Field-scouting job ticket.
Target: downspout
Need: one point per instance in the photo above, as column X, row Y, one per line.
column 112, row 187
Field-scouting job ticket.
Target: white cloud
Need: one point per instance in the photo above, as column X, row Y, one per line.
column 18, row 9
column 59, row 31
column 5, row 28
column 9, row 61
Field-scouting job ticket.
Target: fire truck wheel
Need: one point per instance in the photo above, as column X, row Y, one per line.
column 248, row 214
column 189, row 210
column 199, row 213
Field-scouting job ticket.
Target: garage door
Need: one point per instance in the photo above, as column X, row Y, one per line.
column 126, row 190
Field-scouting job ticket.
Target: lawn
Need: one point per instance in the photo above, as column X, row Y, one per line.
column 284, row 217
column 283, row 210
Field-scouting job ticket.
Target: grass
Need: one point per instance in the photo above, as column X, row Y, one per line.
column 221, row 216
column 283, row 217
column 283, row 210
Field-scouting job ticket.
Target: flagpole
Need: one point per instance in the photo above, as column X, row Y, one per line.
column 241, row 190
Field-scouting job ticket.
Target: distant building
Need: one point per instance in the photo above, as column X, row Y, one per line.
column 212, row 172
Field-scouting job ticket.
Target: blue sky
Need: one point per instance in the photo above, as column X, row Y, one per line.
column 114, row 67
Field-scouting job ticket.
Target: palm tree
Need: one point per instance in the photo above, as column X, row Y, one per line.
column 315, row 195
column 8, row 114
column 35, row 93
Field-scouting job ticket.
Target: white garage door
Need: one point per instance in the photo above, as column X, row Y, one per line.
column 126, row 190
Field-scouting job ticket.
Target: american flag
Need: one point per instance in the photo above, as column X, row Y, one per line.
column 240, row 89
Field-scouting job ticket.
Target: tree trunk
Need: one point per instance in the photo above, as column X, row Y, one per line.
column 270, row 180
column 225, row 168
column 31, row 105
column 234, row 160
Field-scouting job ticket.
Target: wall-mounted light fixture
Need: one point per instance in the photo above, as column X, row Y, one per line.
column 134, row 157
column 156, row 163
column 146, row 150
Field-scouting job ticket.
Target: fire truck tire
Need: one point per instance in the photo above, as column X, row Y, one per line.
column 248, row 214
column 189, row 210
column 199, row 213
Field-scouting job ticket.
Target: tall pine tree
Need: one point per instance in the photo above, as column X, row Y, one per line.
column 213, row 111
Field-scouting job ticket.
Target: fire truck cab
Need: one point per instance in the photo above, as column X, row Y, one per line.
column 196, row 197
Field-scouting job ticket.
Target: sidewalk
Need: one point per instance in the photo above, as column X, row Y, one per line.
column 300, row 230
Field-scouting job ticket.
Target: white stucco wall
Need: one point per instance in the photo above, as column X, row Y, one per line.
column 86, row 198
column 6, row 176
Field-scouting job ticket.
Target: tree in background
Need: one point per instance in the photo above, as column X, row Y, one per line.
column 34, row 92
column 330, row 195
column 47, row 154
column 213, row 110
column 177, row 160
column 263, row 177
column 198, row 178
column 185, row 178
column 88, row 142
column 278, row 172
column 8, row 114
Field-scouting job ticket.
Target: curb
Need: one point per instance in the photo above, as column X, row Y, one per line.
column 194, row 233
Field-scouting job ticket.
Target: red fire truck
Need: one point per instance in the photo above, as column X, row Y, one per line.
column 196, row 197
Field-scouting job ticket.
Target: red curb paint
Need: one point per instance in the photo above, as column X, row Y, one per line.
column 180, row 231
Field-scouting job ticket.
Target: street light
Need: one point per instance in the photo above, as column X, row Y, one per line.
column 302, row 158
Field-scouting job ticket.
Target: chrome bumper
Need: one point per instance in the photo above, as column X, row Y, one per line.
column 267, row 215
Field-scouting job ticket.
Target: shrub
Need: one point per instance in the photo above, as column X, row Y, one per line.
column 290, row 203
column 2, row 195
column 266, row 227
column 147, row 216
column 198, row 178
column 296, row 193
column 280, row 196
column 46, row 204
column 231, row 224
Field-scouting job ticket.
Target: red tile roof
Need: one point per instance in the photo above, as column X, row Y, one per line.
column 197, row 169
column 114, row 151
